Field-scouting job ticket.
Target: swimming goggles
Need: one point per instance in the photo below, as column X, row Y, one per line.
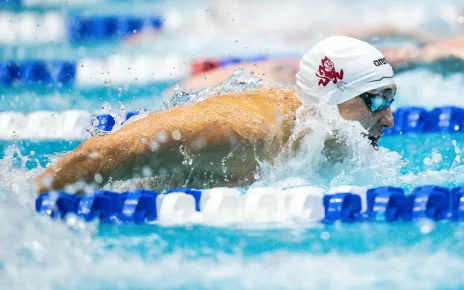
column 376, row 102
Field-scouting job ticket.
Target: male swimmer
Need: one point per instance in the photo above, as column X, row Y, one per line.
column 222, row 140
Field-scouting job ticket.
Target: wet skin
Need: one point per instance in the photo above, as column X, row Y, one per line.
column 225, row 138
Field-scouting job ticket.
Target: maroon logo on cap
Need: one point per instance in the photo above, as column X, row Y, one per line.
column 327, row 73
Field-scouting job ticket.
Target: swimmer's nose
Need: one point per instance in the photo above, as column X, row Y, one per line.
column 386, row 118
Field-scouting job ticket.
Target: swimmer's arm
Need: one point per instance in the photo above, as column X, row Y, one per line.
column 211, row 127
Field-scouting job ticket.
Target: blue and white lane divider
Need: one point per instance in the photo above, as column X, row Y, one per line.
column 74, row 124
column 416, row 120
column 346, row 204
column 29, row 3
column 68, row 125
column 53, row 27
column 94, row 72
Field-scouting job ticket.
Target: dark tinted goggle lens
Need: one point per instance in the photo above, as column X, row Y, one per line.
column 376, row 102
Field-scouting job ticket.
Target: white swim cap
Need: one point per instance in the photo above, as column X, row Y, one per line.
column 342, row 67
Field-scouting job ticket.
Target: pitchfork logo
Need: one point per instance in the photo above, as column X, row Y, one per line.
column 327, row 73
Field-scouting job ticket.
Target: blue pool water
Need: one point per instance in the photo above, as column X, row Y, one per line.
column 76, row 255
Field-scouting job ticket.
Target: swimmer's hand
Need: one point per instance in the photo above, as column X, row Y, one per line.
column 251, row 125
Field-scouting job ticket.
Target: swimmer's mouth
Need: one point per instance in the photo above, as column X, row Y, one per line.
column 374, row 140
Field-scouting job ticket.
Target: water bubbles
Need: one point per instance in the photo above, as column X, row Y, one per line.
column 436, row 157
column 188, row 160
column 460, row 19
column 325, row 235
column 147, row 171
column 162, row 136
column 98, row 178
column 426, row 226
column 142, row 140
column 176, row 135
column 154, row 146
column 428, row 161
column 94, row 154
column 120, row 90
column 107, row 82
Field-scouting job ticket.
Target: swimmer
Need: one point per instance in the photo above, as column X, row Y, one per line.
column 222, row 140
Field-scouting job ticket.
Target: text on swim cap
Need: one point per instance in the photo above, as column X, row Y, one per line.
column 380, row 61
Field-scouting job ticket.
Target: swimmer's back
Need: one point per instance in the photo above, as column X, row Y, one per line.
column 253, row 125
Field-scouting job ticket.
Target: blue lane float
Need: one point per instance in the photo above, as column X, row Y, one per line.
column 388, row 203
column 345, row 207
column 384, row 204
column 102, row 28
column 416, row 120
column 38, row 72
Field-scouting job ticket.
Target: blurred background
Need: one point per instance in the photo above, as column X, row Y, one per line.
column 75, row 54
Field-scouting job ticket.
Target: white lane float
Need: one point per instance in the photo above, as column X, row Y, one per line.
column 176, row 208
column 221, row 205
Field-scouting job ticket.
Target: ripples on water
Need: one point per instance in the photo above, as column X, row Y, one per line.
column 37, row 253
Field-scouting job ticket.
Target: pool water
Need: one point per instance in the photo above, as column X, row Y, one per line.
column 39, row 253
column 76, row 255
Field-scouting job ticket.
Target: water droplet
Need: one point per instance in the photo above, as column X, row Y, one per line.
column 94, row 154
column 436, row 157
column 162, row 136
column 176, row 135
column 98, row 178
column 107, row 82
column 426, row 226
column 120, row 90
column 428, row 161
column 147, row 172
column 325, row 235
column 154, row 146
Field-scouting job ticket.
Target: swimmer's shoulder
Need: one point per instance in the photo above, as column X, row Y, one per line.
column 282, row 97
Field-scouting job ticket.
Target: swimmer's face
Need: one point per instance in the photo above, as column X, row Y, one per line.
column 374, row 122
